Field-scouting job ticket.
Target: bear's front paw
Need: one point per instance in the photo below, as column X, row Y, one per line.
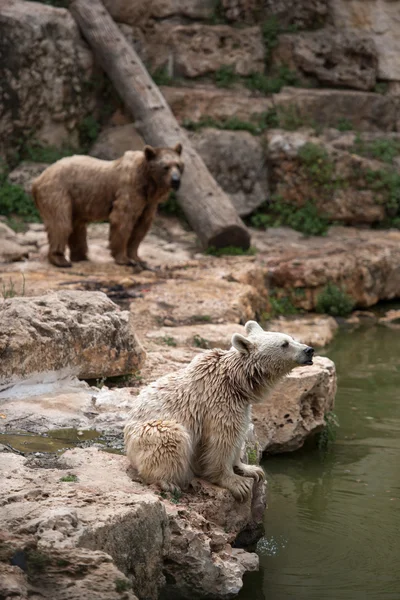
column 253, row 471
column 239, row 487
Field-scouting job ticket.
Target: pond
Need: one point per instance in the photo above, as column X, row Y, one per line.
column 333, row 519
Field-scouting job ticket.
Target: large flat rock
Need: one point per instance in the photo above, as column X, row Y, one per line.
column 79, row 333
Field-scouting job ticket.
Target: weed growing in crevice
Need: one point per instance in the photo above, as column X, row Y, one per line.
column 306, row 219
column 328, row 435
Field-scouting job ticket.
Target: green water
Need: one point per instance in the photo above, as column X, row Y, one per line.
column 333, row 520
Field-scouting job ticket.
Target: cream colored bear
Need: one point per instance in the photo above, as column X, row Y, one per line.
column 194, row 421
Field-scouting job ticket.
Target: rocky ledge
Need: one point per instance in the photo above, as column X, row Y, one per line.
column 80, row 521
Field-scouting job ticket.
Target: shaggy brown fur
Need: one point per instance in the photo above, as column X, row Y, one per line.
column 195, row 421
column 77, row 190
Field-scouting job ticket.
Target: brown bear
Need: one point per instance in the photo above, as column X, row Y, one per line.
column 194, row 421
column 78, row 190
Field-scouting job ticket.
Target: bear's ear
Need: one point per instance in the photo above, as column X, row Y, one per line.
column 178, row 148
column 241, row 344
column 149, row 152
column 253, row 327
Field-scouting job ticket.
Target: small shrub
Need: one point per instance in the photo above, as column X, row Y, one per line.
column 14, row 202
column 319, row 167
column 161, row 76
column 329, row 433
column 290, row 118
column 37, row 562
column 122, row 585
column 334, row 301
column 384, row 149
column 89, row 130
column 344, row 125
column 201, row 318
column 230, row 251
column 69, row 478
column 252, row 456
column 37, row 152
column 172, row 207
column 305, row 219
column 200, row 342
column 226, row 76
column 9, row 290
column 281, row 306
column 169, row 341
column 272, row 83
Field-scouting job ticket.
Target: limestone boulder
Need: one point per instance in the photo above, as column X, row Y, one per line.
column 237, row 161
column 10, row 249
column 113, row 142
column 348, row 198
column 198, row 50
column 44, row 75
column 139, row 12
column 305, row 14
column 81, row 333
column 364, row 263
column 333, row 58
column 379, row 20
column 89, row 510
column 194, row 103
column 198, row 336
column 365, row 111
column 296, row 409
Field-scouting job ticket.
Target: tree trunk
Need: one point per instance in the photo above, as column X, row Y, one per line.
column 206, row 206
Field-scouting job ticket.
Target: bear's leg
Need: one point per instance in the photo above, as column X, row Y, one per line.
column 139, row 232
column 244, row 470
column 58, row 239
column 217, row 466
column 77, row 242
column 161, row 452
column 121, row 225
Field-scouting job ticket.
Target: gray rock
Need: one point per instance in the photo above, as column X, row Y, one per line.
column 44, row 68
column 333, row 58
column 236, row 159
column 114, row 141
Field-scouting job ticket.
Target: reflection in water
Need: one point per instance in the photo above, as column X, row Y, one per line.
column 333, row 521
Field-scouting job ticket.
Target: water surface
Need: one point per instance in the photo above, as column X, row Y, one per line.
column 333, row 520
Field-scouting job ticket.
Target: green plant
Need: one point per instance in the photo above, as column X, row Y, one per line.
column 122, row 585
column 14, row 202
column 320, row 169
column 69, row 478
column 381, row 87
column 169, row 341
column 230, row 251
column 281, row 305
column 273, row 82
column 9, row 290
column 176, row 496
column 161, row 76
column 36, row 562
column 37, row 152
column 89, row 129
column 290, row 118
column 226, row 76
column 328, row 435
column 172, row 207
column 305, row 219
column 252, row 456
column 200, row 342
column 387, row 184
column 344, row 125
column 201, row 318
column 384, row 149
column 333, row 300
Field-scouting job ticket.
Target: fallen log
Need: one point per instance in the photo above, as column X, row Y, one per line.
column 206, row 206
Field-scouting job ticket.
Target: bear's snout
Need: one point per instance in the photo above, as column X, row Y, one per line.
column 175, row 181
column 309, row 352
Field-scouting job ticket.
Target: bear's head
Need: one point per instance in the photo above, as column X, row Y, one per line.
column 164, row 166
column 274, row 354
